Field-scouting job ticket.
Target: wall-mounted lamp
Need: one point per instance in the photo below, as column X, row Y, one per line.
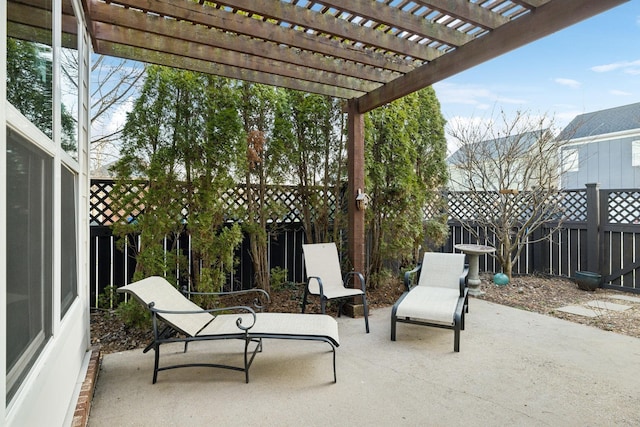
column 362, row 200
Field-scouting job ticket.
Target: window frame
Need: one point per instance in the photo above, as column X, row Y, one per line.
column 635, row 153
column 570, row 154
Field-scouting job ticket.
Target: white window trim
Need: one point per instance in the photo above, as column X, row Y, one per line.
column 570, row 155
column 635, row 152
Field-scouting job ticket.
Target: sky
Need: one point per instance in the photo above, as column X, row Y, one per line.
column 590, row 66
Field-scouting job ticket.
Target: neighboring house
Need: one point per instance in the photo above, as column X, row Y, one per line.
column 602, row 147
column 501, row 164
column 103, row 172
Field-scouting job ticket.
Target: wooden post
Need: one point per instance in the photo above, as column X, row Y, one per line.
column 593, row 228
column 355, row 166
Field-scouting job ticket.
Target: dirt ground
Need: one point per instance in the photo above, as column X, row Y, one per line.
column 533, row 293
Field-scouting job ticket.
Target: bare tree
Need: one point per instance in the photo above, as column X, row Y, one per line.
column 506, row 177
column 114, row 82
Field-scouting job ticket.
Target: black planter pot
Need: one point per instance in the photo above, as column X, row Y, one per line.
column 587, row 281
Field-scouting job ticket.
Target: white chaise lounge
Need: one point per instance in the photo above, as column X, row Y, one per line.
column 185, row 322
column 439, row 297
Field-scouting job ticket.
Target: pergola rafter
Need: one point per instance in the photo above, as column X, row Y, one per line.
column 372, row 50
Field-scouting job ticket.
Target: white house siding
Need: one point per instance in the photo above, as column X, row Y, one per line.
column 47, row 394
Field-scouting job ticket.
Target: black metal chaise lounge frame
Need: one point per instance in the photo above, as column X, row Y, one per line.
column 438, row 299
column 186, row 322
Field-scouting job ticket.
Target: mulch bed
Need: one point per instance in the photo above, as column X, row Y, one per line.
column 539, row 294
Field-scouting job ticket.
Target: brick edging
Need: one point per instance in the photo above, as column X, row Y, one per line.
column 83, row 406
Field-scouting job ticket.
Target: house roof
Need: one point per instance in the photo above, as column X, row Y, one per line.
column 374, row 51
column 612, row 120
column 490, row 148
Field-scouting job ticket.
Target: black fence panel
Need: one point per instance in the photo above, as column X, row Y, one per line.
column 114, row 265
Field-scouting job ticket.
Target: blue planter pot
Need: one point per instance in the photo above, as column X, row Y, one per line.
column 587, row 281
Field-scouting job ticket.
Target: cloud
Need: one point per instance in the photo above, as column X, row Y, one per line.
column 627, row 67
column 478, row 96
column 462, row 94
column 574, row 84
column 620, row 92
column 113, row 120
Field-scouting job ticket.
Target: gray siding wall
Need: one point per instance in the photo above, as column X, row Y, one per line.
column 605, row 162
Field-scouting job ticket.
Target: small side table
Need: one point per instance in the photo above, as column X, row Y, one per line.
column 473, row 252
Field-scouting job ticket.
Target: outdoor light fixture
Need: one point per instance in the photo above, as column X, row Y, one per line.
column 362, row 200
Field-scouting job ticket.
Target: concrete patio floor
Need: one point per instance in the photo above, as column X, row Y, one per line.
column 515, row 368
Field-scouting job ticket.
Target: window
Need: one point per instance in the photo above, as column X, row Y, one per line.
column 29, row 256
column 69, row 271
column 570, row 160
column 635, row 153
column 29, row 86
column 70, row 65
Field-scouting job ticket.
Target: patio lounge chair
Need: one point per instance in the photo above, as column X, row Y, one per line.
column 184, row 321
column 324, row 278
column 439, row 298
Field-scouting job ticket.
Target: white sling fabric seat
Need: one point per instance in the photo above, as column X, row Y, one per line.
column 186, row 322
column 324, row 279
column 439, row 298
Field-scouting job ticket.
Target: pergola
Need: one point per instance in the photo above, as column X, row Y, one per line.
column 367, row 52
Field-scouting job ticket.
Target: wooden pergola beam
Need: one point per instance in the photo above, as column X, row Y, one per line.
column 204, row 66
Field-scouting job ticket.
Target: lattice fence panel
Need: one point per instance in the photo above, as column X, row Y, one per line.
column 102, row 196
column 471, row 206
column 284, row 202
column 624, row 207
column 574, row 204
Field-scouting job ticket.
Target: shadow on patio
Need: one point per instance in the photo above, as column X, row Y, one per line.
column 514, row 368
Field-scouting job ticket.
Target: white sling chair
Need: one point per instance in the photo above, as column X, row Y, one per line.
column 324, row 278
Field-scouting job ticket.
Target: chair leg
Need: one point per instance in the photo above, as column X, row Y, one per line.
column 335, row 378
column 366, row 312
column 458, row 323
column 393, row 321
column 341, row 307
column 393, row 328
column 246, row 359
column 456, row 339
column 156, row 362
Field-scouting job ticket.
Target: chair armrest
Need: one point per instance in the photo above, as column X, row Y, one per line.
column 463, row 280
column 319, row 280
column 356, row 274
column 249, row 310
column 257, row 302
column 407, row 276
